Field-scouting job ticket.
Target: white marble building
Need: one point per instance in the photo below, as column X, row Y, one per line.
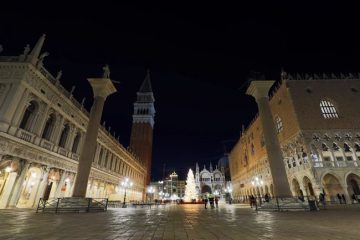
column 210, row 181
column 42, row 129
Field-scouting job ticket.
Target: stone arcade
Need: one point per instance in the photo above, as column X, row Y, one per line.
column 42, row 130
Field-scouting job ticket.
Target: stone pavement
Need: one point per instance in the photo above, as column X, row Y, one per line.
column 182, row 222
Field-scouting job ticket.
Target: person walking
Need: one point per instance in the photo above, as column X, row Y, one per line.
column 217, row 202
column 205, row 200
column 343, row 198
column 211, row 200
column 339, row 197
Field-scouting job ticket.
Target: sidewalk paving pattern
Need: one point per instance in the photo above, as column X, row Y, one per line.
column 182, row 222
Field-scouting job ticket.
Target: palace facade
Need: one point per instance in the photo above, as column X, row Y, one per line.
column 42, row 129
column 317, row 121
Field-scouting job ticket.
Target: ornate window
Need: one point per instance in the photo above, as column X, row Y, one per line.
column 49, row 126
column 357, row 147
column 64, row 136
column 75, row 145
column 328, row 109
column 279, row 124
column 347, row 147
column 29, row 115
column 252, row 149
column 336, row 147
column 324, row 147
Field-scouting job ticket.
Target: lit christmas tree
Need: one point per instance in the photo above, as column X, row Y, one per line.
column 190, row 190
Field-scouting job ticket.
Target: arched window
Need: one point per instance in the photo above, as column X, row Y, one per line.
column 328, row 109
column 64, row 136
column 324, row 147
column 252, row 149
column 75, row 145
column 357, row 147
column 106, row 159
column 279, row 124
column 28, row 116
column 347, row 147
column 100, row 156
column 49, row 126
column 335, row 147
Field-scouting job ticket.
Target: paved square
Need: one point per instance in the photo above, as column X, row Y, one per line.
column 182, row 222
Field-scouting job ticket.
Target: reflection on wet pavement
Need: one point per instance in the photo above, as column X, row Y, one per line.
column 181, row 222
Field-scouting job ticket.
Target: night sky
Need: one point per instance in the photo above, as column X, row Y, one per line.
column 200, row 58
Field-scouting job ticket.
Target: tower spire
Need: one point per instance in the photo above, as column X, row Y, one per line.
column 33, row 57
column 146, row 85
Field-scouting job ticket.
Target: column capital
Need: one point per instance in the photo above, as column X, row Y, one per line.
column 259, row 88
column 102, row 87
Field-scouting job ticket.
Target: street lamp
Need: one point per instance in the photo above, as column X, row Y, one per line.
column 125, row 184
column 151, row 191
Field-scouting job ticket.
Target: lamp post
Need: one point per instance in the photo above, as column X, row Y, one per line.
column 151, row 191
column 257, row 183
column 228, row 191
column 125, row 184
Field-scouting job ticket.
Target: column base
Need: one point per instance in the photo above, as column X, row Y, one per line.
column 287, row 204
column 73, row 204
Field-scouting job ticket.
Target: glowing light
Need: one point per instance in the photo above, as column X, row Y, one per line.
column 33, row 175
column 67, row 180
column 8, row 169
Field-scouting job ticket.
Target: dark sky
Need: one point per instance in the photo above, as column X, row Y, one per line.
column 199, row 57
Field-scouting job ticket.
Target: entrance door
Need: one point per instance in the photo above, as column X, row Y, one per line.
column 47, row 191
column 355, row 187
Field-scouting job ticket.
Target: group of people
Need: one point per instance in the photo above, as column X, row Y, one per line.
column 211, row 199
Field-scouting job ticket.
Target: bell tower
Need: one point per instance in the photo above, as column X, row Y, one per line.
column 143, row 123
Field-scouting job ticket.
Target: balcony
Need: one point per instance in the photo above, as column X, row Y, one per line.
column 46, row 144
column 25, row 135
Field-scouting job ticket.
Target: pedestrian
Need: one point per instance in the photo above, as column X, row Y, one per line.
column 267, row 199
column 339, row 197
column 343, row 198
column 230, row 201
column 217, row 202
column 322, row 198
column 353, row 197
column 205, row 199
column 211, row 200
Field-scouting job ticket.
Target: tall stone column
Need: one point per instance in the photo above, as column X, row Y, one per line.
column 259, row 90
column 102, row 87
column 19, row 184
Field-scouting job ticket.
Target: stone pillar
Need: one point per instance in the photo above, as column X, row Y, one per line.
column 15, row 122
column 10, row 104
column 42, row 185
column 61, row 184
column 18, row 185
column 102, row 87
column 6, row 193
column 259, row 90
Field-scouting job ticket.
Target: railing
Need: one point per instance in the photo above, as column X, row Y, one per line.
column 47, row 145
column 58, row 205
column 25, row 135
column 62, row 151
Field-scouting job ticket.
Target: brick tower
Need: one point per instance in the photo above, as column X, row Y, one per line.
column 143, row 122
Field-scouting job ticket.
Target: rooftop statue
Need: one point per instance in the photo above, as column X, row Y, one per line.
column 26, row 50
column 106, row 70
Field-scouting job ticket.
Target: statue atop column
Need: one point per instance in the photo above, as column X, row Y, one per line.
column 106, row 73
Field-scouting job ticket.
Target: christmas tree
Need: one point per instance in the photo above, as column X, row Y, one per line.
column 190, row 190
